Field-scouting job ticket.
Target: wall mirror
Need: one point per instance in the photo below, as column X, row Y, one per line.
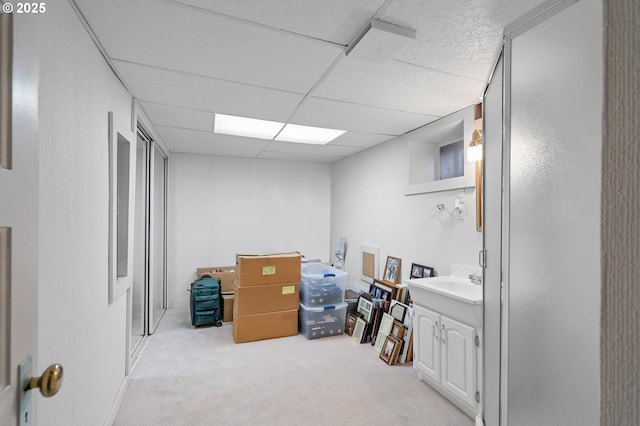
column 122, row 165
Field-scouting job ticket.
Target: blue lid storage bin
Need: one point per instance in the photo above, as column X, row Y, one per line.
column 316, row 322
column 322, row 285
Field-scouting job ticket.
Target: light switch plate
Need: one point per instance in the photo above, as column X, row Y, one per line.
column 25, row 372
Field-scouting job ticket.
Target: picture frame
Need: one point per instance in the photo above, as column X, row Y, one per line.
column 390, row 350
column 421, row 271
column 391, row 270
column 386, row 324
column 358, row 330
column 350, row 324
column 365, row 307
column 380, row 291
column 369, row 262
column 398, row 311
column 397, row 330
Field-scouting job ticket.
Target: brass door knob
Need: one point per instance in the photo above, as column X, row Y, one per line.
column 50, row 381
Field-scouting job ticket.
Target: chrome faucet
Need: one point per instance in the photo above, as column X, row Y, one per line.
column 475, row 278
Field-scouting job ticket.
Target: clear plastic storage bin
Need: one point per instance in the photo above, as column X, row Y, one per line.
column 322, row 285
column 322, row 321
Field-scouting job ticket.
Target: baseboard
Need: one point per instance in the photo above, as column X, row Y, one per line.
column 113, row 411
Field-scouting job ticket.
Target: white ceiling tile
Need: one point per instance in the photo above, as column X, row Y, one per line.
column 183, row 140
column 173, row 36
column 202, row 93
column 303, row 148
column 457, row 36
column 358, row 118
column 361, row 140
column 292, row 156
column 166, row 115
column 400, row 86
column 337, row 21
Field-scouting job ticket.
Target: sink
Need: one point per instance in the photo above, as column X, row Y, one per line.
column 452, row 295
column 452, row 286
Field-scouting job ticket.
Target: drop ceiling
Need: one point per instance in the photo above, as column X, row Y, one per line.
column 284, row 60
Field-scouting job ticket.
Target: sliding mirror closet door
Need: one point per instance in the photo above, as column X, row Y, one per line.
column 137, row 292
column 148, row 294
column 157, row 241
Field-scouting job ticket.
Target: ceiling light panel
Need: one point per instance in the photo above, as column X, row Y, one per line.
column 307, row 134
column 247, row 127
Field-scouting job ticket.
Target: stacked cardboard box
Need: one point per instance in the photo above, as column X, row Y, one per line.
column 227, row 276
column 266, row 296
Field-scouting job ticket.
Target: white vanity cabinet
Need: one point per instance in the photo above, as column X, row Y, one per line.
column 446, row 356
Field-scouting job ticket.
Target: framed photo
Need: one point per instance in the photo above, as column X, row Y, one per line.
column 364, row 308
column 380, row 291
column 398, row 311
column 350, row 324
column 392, row 270
column 390, row 350
column 386, row 324
column 358, row 330
column 421, row 271
column 397, row 330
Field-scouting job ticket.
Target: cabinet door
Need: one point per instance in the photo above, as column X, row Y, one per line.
column 458, row 354
column 427, row 342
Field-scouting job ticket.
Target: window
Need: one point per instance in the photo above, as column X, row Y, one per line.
column 451, row 161
column 437, row 155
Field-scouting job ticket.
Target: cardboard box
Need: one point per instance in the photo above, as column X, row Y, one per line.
column 226, row 274
column 267, row 269
column 266, row 298
column 227, row 307
column 249, row 328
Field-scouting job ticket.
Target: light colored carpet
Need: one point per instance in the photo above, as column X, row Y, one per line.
column 199, row 376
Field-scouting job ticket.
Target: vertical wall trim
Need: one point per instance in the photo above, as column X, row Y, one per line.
column 5, row 307
column 506, row 200
column 620, row 328
column 6, row 79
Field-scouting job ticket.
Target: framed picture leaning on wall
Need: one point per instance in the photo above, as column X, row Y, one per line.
column 392, row 270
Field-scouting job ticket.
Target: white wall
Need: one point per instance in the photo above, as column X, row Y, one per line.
column 220, row 206
column 77, row 326
column 368, row 206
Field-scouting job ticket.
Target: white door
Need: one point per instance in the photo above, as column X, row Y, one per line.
column 18, row 215
column 426, row 335
column 458, row 359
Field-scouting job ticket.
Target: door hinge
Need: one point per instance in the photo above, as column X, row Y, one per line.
column 477, row 340
column 477, row 396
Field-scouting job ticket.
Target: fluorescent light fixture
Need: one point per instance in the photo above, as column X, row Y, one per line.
column 247, row 127
column 379, row 41
column 306, row 134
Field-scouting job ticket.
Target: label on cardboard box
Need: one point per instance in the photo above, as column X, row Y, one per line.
column 288, row 289
column 268, row 270
column 253, row 270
